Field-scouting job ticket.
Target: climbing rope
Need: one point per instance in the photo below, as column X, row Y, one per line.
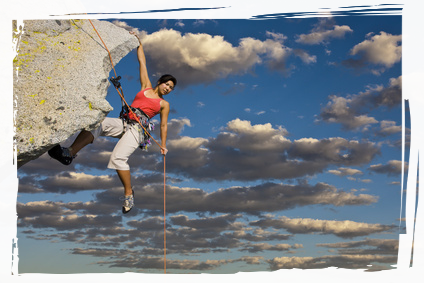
column 120, row 92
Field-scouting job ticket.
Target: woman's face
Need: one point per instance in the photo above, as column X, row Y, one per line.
column 167, row 87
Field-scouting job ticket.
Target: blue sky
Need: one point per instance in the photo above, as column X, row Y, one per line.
column 284, row 152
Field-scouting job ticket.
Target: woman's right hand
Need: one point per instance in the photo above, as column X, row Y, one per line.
column 135, row 34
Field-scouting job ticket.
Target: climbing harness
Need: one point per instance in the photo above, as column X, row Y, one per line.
column 147, row 126
column 126, row 109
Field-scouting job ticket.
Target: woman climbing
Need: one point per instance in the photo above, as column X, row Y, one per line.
column 147, row 103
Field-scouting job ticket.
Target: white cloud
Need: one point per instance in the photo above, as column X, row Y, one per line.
column 323, row 31
column 242, row 151
column 342, row 171
column 305, row 57
column 376, row 54
column 392, row 167
column 380, row 246
column 351, row 111
column 125, row 26
column 200, row 57
column 338, row 111
column 179, row 23
column 203, row 58
column 383, row 49
column 344, row 229
column 389, row 128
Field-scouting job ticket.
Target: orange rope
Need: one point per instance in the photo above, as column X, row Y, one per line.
column 164, row 218
column 164, row 159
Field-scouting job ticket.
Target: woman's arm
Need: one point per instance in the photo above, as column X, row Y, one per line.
column 164, row 113
column 144, row 77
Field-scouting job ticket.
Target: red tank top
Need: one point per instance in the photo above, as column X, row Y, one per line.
column 150, row 106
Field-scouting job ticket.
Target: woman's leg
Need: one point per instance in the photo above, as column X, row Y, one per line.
column 125, row 177
column 126, row 145
column 84, row 138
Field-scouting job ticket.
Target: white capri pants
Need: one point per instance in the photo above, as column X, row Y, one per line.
column 127, row 144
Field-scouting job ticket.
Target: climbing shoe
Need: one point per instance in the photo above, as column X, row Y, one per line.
column 128, row 203
column 61, row 154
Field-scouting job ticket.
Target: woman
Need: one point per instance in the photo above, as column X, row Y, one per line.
column 147, row 103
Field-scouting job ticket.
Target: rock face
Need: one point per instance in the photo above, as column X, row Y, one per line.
column 61, row 77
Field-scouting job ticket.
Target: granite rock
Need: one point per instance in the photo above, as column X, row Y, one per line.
column 61, row 77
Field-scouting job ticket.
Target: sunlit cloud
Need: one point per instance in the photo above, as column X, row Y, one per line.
column 382, row 50
column 324, row 30
column 392, row 167
column 352, row 111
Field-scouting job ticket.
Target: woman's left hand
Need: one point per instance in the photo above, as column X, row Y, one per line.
column 164, row 151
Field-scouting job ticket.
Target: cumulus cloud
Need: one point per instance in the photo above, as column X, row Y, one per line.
column 388, row 128
column 324, row 31
column 56, row 215
column 381, row 49
column 141, row 237
column 333, row 151
column 343, row 229
column 242, row 151
column 352, row 111
column 342, row 171
column 304, row 56
column 373, row 246
column 337, row 111
column 118, row 241
column 72, row 182
column 37, row 208
column 203, row 58
column 150, row 262
column 268, row 197
column 392, row 167
column 254, row 248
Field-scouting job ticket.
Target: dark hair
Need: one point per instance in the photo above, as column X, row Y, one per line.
column 167, row 77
